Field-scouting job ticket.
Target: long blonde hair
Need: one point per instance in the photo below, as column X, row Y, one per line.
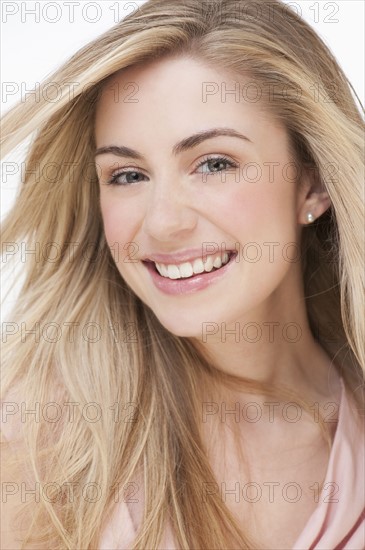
column 97, row 342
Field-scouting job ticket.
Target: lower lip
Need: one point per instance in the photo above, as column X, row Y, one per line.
column 190, row 284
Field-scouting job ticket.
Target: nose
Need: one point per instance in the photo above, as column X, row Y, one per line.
column 169, row 212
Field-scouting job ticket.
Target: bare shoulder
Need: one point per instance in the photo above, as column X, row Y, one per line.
column 11, row 499
column 15, row 473
column 11, row 527
column 12, row 448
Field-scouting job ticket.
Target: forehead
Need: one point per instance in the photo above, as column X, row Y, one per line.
column 171, row 73
column 181, row 95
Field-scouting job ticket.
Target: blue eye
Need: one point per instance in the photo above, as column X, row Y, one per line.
column 132, row 176
column 115, row 179
column 214, row 163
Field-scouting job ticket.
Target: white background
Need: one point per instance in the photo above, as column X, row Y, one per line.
column 34, row 44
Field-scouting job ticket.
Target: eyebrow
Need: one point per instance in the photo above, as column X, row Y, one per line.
column 184, row 145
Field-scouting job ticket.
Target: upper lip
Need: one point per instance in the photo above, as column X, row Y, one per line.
column 184, row 256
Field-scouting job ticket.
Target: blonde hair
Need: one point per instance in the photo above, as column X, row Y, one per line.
column 82, row 284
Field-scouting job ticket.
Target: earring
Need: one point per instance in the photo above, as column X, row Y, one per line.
column 310, row 217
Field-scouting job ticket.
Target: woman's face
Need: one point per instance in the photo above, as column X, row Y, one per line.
column 186, row 200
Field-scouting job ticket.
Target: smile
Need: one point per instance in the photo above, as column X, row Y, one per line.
column 190, row 277
column 189, row 269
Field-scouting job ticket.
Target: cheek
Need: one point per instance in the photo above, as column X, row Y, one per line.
column 120, row 222
column 259, row 212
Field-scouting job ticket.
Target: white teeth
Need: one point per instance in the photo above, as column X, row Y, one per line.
column 173, row 272
column 162, row 270
column 187, row 269
column 208, row 266
column 217, row 262
column 198, row 266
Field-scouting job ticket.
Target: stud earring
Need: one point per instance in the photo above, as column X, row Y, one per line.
column 310, row 217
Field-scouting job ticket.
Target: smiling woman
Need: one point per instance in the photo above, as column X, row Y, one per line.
column 225, row 230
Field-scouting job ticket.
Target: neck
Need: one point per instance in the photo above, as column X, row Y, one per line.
column 274, row 345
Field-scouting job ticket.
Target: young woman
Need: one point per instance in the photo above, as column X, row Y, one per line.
column 184, row 366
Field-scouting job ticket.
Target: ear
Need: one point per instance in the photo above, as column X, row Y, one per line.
column 312, row 198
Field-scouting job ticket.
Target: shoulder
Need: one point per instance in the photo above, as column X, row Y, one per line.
column 339, row 520
column 352, row 421
column 12, row 478
column 17, row 479
column 120, row 527
column 119, row 530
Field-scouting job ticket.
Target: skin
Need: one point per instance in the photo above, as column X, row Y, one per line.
column 172, row 206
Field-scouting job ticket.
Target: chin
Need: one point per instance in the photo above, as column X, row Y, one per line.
column 178, row 325
column 182, row 329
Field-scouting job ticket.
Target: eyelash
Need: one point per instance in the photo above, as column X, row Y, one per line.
column 113, row 179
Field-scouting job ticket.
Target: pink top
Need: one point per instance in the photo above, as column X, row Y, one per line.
column 332, row 526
